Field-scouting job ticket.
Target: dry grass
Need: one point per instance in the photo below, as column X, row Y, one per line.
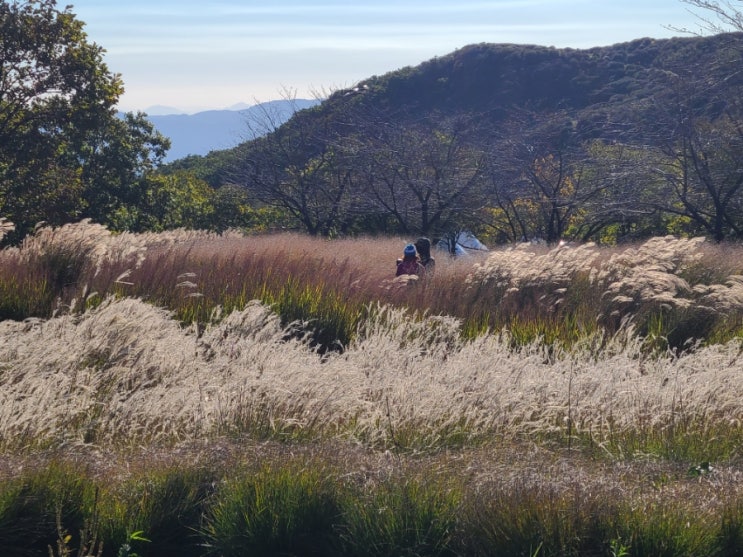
column 539, row 438
column 126, row 372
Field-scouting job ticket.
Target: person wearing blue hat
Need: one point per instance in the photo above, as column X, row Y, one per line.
column 409, row 264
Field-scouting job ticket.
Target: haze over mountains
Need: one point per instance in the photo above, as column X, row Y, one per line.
column 210, row 130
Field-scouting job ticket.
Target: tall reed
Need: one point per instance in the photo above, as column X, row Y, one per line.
column 669, row 290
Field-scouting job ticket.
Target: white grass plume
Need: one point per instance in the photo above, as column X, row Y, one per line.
column 628, row 279
column 126, row 372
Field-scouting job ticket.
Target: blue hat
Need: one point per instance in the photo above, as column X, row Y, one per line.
column 409, row 250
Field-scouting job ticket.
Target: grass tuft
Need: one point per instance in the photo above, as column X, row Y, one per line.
column 286, row 511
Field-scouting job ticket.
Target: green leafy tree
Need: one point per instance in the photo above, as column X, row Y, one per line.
column 64, row 154
column 232, row 208
column 176, row 201
column 215, row 167
column 116, row 160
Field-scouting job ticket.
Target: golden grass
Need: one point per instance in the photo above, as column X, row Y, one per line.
column 127, row 372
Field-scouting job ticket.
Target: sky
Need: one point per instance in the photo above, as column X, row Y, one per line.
column 196, row 55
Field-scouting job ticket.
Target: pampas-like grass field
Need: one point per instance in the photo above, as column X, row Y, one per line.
column 127, row 372
column 503, row 378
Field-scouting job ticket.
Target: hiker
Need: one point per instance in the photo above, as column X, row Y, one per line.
column 409, row 264
column 423, row 245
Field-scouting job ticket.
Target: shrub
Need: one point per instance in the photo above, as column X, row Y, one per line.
column 33, row 505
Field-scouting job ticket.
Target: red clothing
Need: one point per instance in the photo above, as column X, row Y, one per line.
column 410, row 266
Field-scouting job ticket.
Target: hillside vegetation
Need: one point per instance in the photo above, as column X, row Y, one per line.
column 513, row 141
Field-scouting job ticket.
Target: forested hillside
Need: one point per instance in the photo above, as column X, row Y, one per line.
column 515, row 141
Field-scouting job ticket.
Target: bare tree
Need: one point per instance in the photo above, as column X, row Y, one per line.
column 623, row 208
column 698, row 127
column 297, row 167
column 725, row 16
column 425, row 175
column 540, row 179
column 704, row 178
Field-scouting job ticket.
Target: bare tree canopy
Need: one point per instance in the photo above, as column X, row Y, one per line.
column 724, row 15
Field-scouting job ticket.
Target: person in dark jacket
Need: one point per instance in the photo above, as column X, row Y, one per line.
column 423, row 246
column 409, row 264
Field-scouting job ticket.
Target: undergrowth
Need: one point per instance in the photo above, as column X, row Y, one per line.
column 325, row 505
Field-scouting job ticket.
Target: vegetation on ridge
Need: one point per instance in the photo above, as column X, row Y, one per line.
column 514, row 142
column 511, row 141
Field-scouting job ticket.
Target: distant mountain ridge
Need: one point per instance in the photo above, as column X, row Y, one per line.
column 213, row 130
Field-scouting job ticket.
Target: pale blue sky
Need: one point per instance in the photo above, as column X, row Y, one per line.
column 196, row 55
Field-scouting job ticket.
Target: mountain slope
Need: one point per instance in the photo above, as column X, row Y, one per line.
column 559, row 142
column 488, row 82
column 491, row 79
